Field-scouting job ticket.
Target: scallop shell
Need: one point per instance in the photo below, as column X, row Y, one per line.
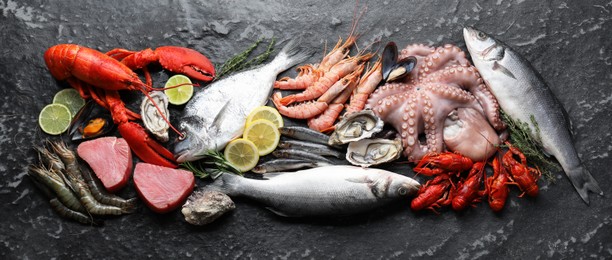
column 151, row 118
column 356, row 126
column 368, row 152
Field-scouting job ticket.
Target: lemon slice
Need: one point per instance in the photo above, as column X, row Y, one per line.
column 54, row 119
column 264, row 134
column 71, row 99
column 242, row 154
column 179, row 95
column 265, row 112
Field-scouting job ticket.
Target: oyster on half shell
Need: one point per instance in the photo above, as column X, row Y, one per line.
column 375, row 151
column 151, row 118
column 356, row 126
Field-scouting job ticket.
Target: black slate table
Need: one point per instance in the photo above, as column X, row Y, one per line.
column 569, row 42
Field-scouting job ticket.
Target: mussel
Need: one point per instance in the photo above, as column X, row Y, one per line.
column 90, row 122
column 393, row 69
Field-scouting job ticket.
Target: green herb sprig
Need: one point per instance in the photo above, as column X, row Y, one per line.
column 212, row 165
column 239, row 61
column 521, row 139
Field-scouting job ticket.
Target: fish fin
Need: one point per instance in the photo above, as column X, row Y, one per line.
column 584, row 182
column 219, row 117
column 291, row 54
column 502, row 69
column 226, row 183
column 277, row 212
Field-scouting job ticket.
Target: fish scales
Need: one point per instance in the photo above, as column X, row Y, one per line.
column 330, row 190
column 523, row 94
column 216, row 114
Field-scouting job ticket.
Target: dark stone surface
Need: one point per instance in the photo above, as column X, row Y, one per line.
column 569, row 42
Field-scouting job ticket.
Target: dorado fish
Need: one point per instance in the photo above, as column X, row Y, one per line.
column 216, row 115
column 323, row 191
column 523, row 95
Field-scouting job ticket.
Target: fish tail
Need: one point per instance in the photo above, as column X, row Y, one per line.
column 290, row 55
column 226, row 183
column 584, row 182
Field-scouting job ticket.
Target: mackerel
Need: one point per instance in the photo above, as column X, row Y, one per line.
column 315, row 148
column 525, row 97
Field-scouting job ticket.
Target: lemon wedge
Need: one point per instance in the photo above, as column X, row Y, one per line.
column 54, row 119
column 179, row 95
column 265, row 112
column 264, row 134
column 242, row 154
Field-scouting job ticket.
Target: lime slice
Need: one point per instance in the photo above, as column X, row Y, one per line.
column 54, row 119
column 70, row 98
column 179, row 95
column 264, row 134
column 265, row 112
column 242, row 154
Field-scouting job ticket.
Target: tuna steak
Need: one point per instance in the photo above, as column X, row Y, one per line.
column 163, row 189
column 111, row 160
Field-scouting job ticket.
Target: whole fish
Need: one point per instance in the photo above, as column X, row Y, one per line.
column 278, row 165
column 304, row 134
column 523, row 95
column 300, row 154
column 323, row 191
column 315, row 148
column 216, row 114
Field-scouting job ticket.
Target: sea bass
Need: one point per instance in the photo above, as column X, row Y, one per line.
column 216, row 114
column 323, row 191
column 522, row 94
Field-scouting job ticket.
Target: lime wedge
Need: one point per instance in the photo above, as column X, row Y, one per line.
column 54, row 119
column 179, row 95
column 71, row 99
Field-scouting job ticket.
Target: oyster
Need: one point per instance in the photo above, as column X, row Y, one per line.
column 91, row 121
column 204, row 207
column 375, row 151
column 151, row 118
column 356, row 126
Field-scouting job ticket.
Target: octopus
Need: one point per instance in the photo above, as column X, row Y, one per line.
column 441, row 105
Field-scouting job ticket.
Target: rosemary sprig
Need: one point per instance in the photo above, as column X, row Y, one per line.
column 213, row 164
column 520, row 136
column 239, row 61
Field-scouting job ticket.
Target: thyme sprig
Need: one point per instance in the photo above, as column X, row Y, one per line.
column 239, row 61
column 521, row 138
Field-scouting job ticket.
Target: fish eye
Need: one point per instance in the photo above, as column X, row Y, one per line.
column 481, row 36
column 182, row 136
column 402, row 191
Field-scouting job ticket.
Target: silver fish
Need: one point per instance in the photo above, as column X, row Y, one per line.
column 522, row 94
column 216, row 114
column 282, row 164
column 323, row 191
column 315, row 148
column 304, row 134
column 300, row 154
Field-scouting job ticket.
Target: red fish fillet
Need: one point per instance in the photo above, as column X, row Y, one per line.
column 163, row 189
column 111, row 160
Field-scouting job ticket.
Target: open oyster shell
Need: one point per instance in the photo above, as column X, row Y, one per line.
column 151, row 118
column 356, row 126
column 375, row 151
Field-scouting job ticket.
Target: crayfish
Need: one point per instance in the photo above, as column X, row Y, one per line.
column 448, row 167
column 99, row 76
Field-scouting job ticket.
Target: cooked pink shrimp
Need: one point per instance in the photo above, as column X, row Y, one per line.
column 366, row 86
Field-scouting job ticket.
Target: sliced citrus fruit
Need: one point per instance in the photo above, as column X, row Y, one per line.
column 54, row 119
column 264, row 134
column 70, row 98
column 179, row 95
column 265, row 112
column 242, row 154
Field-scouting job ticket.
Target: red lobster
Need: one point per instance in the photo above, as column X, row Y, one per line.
column 433, row 194
column 525, row 177
column 435, row 164
column 99, row 76
column 467, row 192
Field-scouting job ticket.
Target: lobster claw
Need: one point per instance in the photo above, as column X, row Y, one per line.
column 146, row 148
column 186, row 61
